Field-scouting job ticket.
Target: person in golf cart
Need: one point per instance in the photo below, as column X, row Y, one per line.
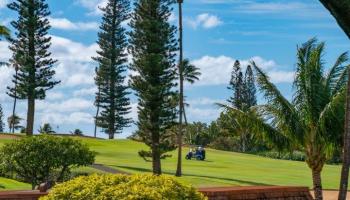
column 198, row 153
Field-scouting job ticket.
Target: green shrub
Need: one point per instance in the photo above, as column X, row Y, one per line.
column 123, row 187
column 43, row 158
column 295, row 155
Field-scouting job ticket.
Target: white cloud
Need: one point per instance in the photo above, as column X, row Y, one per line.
column 172, row 17
column 5, row 79
column 65, row 49
column 204, row 20
column 80, row 79
column 282, row 76
column 217, row 70
column 54, row 95
column 75, row 66
column 67, row 105
column 3, row 3
column 5, row 53
column 204, row 101
column 75, row 118
column 202, row 114
column 66, row 24
column 93, row 5
column 85, row 92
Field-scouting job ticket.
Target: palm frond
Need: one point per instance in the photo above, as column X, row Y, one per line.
column 310, row 95
column 259, row 127
column 191, row 73
column 331, row 119
column 283, row 109
column 341, row 82
column 336, row 73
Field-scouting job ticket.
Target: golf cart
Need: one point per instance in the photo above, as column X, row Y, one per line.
column 197, row 153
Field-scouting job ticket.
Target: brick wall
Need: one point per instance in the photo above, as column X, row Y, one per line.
column 226, row 193
column 21, row 195
column 257, row 193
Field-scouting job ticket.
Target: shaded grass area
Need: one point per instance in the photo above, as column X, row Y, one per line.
column 220, row 169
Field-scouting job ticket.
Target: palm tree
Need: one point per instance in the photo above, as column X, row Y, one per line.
column 340, row 9
column 14, row 122
column 190, row 74
column 344, row 179
column 313, row 121
column 181, row 95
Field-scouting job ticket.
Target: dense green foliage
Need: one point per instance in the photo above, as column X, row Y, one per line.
column 243, row 98
column 111, row 99
column 154, row 65
column 43, row 158
column 236, row 85
column 123, row 187
column 30, row 50
column 46, row 129
column 249, row 91
column 242, row 87
column 77, row 132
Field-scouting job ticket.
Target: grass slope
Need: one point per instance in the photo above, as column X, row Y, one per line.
column 220, row 169
column 8, row 184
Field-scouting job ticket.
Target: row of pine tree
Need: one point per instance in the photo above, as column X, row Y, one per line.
column 153, row 45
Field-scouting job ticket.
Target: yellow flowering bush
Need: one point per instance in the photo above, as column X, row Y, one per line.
column 123, row 187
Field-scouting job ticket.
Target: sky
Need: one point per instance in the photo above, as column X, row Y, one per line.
column 216, row 33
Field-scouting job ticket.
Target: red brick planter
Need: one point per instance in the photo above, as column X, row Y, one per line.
column 223, row 193
column 257, row 193
column 22, row 195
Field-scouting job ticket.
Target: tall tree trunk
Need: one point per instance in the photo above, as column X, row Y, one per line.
column 317, row 182
column 98, row 109
column 156, row 163
column 181, row 103
column 30, row 116
column 96, row 116
column 340, row 9
column 343, row 190
column 14, row 104
column 32, row 73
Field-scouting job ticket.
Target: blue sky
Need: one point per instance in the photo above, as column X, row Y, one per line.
column 217, row 32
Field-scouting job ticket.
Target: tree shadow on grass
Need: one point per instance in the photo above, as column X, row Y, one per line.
column 2, row 187
column 243, row 182
column 133, row 168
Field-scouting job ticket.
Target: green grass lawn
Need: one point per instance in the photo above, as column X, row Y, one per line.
column 8, row 184
column 220, row 169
